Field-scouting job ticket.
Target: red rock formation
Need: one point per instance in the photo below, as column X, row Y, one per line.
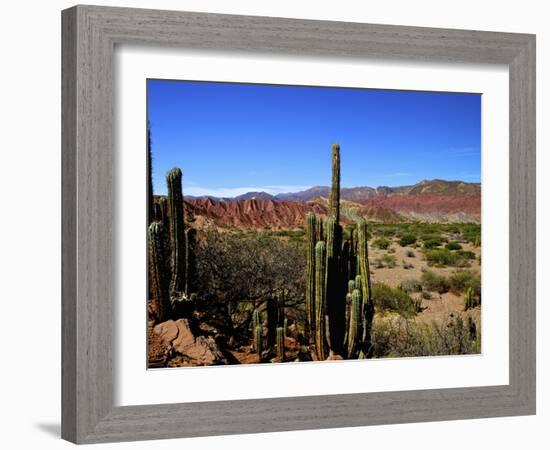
column 426, row 204
column 254, row 213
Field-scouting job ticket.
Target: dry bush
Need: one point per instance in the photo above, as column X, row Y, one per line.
column 399, row 337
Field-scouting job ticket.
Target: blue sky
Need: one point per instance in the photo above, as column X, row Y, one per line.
column 229, row 138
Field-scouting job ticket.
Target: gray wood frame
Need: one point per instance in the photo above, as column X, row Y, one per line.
column 89, row 37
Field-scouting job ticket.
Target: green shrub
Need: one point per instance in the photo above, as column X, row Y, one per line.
column 434, row 282
column 453, row 245
column 461, row 280
column 441, row 257
column 466, row 254
column 410, row 285
column 389, row 261
column 396, row 300
column 407, row 239
column 400, row 337
column 432, row 243
column 381, row 243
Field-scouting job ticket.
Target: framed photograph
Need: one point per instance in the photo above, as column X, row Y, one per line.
column 278, row 224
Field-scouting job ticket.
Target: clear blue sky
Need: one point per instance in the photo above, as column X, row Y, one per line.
column 229, row 139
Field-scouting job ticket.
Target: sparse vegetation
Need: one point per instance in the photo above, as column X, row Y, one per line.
column 305, row 293
column 453, row 245
column 407, row 239
column 442, row 257
column 389, row 261
column 411, row 285
column 399, row 337
column 393, row 300
column 434, row 282
column 381, row 243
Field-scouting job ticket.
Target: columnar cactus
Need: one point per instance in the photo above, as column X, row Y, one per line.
column 358, row 282
column 334, row 197
column 258, row 340
column 177, row 233
column 354, row 331
column 163, row 212
column 158, row 271
column 352, row 255
column 468, row 299
column 334, row 271
column 320, row 300
column 256, row 319
column 272, row 321
column 335, row 298
column 280, row 344
column 320, row 231
column 311, row 233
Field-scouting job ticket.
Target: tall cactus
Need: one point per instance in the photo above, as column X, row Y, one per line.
column 334, row 198
column 364, row 272
column 335, row 298
column 272, row 321
column 352, row 254
column 177, row 233
column 319, row 231
column 320, row 300
column 158, row 271
column 354, row 331
column 258, row 340
column 311, row 231
column 256, row 319
column 468, row 299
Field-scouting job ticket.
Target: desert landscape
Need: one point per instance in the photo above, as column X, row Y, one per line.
column 326, row 273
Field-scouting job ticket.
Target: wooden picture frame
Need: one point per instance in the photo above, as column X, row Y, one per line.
column 90, row 34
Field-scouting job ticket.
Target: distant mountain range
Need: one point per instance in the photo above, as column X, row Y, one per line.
column 425, row 187
column 427, row 201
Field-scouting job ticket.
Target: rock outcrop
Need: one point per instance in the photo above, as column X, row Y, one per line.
column 178, row 340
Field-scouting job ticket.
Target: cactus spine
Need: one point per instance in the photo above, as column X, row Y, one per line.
column 177, row 233
column 158, row 273
column 311, row 232
column 320, row 303
column 334, row 198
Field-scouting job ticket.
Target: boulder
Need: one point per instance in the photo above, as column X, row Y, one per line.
column 199, row 350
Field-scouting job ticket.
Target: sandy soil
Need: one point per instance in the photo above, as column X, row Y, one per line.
column 438, row 306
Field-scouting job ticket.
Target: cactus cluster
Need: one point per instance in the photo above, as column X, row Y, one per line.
column 172, row 263
column 277, row 328
column 339, row 306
